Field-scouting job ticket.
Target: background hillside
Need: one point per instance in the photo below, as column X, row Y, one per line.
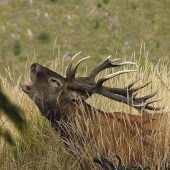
column 97, row 28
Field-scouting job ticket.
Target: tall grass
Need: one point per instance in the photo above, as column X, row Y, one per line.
column 40, row 147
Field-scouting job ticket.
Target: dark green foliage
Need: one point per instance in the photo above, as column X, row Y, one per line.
column 158, row 44
column 44, row 37
column 134, row 6
column 105, row 1
column 5, row 134
column 13, row 113
column 97, row 25
column 99, row 5
column 17, row 48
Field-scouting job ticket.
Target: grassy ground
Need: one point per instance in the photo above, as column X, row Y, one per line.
column 94, row 27
column 41, row 148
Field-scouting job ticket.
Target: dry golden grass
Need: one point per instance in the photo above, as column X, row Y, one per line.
column 40, row 147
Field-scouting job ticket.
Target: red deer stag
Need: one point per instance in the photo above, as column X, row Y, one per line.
column 63, row 100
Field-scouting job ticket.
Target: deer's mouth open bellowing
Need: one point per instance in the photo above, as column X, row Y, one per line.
column 27, row 86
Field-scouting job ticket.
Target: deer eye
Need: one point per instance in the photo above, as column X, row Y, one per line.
column 54, row 81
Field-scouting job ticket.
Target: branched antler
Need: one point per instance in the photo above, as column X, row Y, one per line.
column 105, row 163
column 108, row 165
column 126, row 95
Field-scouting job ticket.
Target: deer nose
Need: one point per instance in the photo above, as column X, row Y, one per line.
column 32, row 67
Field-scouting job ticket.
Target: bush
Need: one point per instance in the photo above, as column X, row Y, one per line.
column 158, row 44
column 44, row 37
column 105, row 1
column 17, row 47
column 134, row 6
column 53, row 0
column 99, row 5
column 96, row 25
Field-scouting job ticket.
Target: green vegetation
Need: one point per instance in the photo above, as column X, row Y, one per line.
column 96, row 25
column 134, row 5
column 44, row 37
column 99, row 5
column 106, row 1
column 13, row 113
column 87, row 26
column 17, row 48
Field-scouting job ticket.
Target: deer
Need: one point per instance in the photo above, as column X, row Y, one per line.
column 62, row 100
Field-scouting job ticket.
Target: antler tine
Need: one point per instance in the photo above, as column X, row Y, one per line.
column 146, row 103
column 144, row 98
column 155, row 108
column 126, row 62
column 106, row 164
column 108, row 58
column 131, row 84
column 73, row 70
column 69, row 67
column 153, row 101
column 135, row 94
column 80, row 61
column 107, row 63
column 120, row 161
column 119, row 64
column 127, row 91
column 142, row 86
column 102, row 80
column 145, row 106
column 71, row 61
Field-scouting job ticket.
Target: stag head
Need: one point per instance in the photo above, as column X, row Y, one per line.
column 48, row 89
column 53, row 93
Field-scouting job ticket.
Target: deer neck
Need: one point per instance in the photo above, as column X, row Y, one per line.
column 54, row 112
column 65, row 111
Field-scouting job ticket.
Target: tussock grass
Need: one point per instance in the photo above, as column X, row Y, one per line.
column 40, row 147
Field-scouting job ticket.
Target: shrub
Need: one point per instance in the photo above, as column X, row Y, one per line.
column 97, row 25
column 17, row 47
column 134, row 6
column 158, row 44
column 99, row 5
column 44, row 37
column 105, row 1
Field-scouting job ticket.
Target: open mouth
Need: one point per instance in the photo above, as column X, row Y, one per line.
column 26, row 86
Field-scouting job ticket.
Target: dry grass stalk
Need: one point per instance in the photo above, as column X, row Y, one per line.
column 41, row 148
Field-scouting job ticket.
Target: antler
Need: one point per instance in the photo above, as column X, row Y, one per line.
column 126, row 95
column 106, row 164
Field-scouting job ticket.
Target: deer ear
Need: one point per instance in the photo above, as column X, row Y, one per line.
column 55, row 82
